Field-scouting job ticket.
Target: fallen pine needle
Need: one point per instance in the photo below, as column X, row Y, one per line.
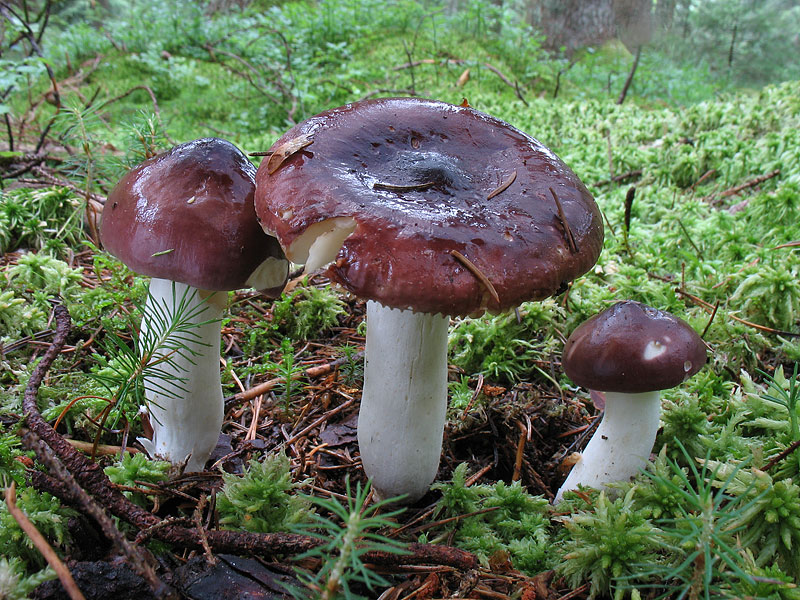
column 477, row 273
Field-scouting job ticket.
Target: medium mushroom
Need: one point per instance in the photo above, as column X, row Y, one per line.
column 631, row 352
column 186, row 219
column 427, row 210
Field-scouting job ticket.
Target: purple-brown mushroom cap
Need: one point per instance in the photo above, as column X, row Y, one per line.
column 187, row 215
column 632, row 348
column 428, row 183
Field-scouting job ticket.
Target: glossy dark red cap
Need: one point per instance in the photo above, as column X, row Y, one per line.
column 448, row 203
column 187, row 215
column 632, row 348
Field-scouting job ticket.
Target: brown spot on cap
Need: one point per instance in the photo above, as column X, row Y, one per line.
column 417, row 176
column 632, row 348
column 187, row 215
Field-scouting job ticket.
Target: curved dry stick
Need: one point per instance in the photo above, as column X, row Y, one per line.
column 91, row 477
column 41, row 544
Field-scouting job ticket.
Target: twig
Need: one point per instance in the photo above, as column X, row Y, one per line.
column 128, row 93
column 197, row 518
column 433, row 524
column 475, row 394
column 100, row 449
column 135, row 556
column 576, row 592
column 32, row 38
column 629, row 196
column 311, row 372
column 794, row 244
column 524, row 436
column 710, row 320
column 691, row 241
column 212, row 52
column 705, row 176
column 776, row 459
column 629, row 79
column 507, row 81
column 41, row 544
column 42, row 435
column 621, row 177
column 317, row 422
column 710, row 307
column 752, row 183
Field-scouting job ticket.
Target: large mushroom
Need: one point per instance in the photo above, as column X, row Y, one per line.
column 427, row 210
column 186, row 219
column 631, row 352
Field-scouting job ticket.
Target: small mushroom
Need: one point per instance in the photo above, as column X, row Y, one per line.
column 186, row 219
column 630, row 351
column 427, row 210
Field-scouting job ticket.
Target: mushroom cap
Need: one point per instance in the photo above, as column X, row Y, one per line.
column 425, row 181
column 632, row 348
column 187, row 215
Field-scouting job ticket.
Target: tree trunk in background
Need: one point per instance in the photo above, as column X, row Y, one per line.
column 633, row 21
column 572, row 24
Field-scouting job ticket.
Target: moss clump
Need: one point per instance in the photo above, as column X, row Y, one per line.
column 261, row 500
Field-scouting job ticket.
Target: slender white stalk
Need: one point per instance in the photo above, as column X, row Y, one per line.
column 403, row 405
column 621, row 445
column 186, row 414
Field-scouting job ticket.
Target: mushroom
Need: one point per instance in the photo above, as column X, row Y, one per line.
column 427, row 210
column 631, row 352
column 186, row 219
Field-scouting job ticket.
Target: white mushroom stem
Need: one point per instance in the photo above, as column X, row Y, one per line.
column 183, row 391
column 401, row 422
column 622, row 443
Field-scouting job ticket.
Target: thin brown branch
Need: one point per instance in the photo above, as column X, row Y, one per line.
column 620, row 177
column 710, row 320
column 706, row 175
column 317, row 422
column 5, row 10
column 512, row 84
column 784, row 453
column 127, row 93
column 311, row 372
column 710, row 307
column 752, row 183
column 72, row 589
column 794, row 244
column 136, row 557
column 629, row 79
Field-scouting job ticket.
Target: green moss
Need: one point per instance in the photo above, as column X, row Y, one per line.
column 308, row 311
column 49, row 518
column 608, row 544
column 508, row 521
column 261, row 499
